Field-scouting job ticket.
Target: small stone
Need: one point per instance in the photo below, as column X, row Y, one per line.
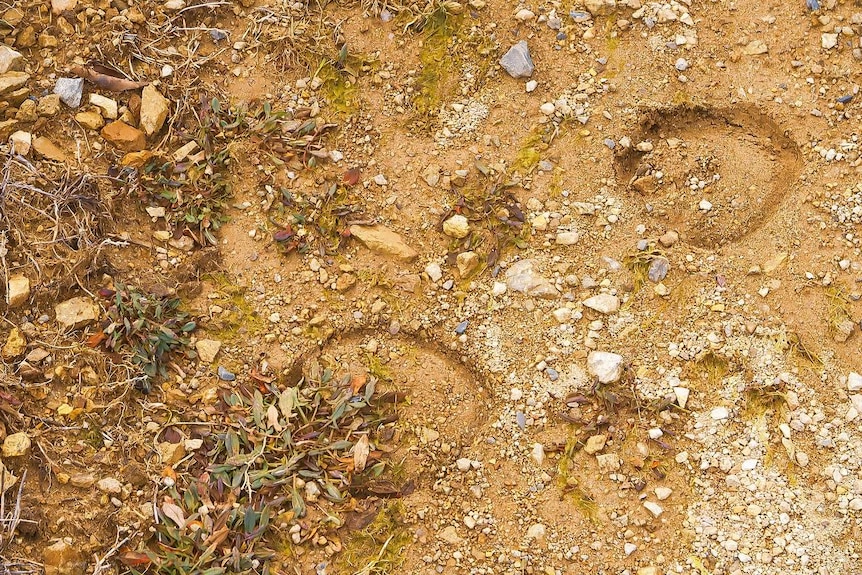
column 83, row 480
column 456, row 226
column 566, row 238
column 663, row 493
column 681, row 65
column 47, row 149
column 531, row 86
column 463, row 464
column 681, row 394
column 450, row 535
column 61, row 558
column 658, row 269
column 16, row 445
column 603, row 303
column 15, row 346
column 648, row 571
column 629, row 548
column 380, row 180
column 653, row 508
column 755, row 48
column 435, row 274
column 669, row 238
column 207, row 349
column 595, row 443
column 91, row 120
column 124, row 136
column 538, row 453
column 644, row 147
column 48, row 105
column 854, row 382
column 110, row 485
column 704, row 205
column 12, row 80
column 608, row 462
column 498, row 289
column 70, row 91
column 27, row 112
column 345, row 282
column 469, row 522
column 547, row 108
column 76, row 312
column 606, row 367
column 383, row 240
column 466, row 263
column 21, row 142
column 60, row 6
column 17, row 290
column 224, row 374
column 10, row 60
column 802, row 458
column 600, row 7
column 536, row 531
column 106, row 106
column 171, row 453
column 719, row 413
column 517, row 61
column 524, row 15
column 522, row 277
column 154, row 110
column 829, row 41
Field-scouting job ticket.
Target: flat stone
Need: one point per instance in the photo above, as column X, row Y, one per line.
column 603, row 303
column 90, row 119
column 466, row 263
column 435, row 273
column 16, row 445
column 21, row 142
column 10, row 60
column 854, row 382
column 755, row 48
column 449, row 535
column 658, row 269
column 17, row 290
column 70, row 91
column 8, row 127
column 171, row 453
column 456, row 226
column 47, row 149
column 719, row 413
column 522, row 277
column 517, row 62
column 124, row 136
column 109, row 485
column 76, row 312
column 609, row 462
column 538, row 453
column 9, row 479
column 61, row 558
column 566, row 238
column 595, row 443
column 653, row 508
column 536, row 531
column 83, row 480
column 828, row 41
column 107, row 106
column 60, row 6
column 663, row 493
column 600, row 7
column 605, row 366
column 154, row 110
column 12, row 80
column 207, row 349
column 382, row 240
column 48, row 105
column 681, row 394
column 669, row 238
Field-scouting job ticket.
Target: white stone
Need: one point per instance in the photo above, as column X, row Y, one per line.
column 681, row 394
column 524, row 15
column 663, row 493
column 854, row 382
column 456, row 226
column 547, row 108
column 10, row 59
column 719, row 413
column 463, row 464
column 603, row 303
column 107, row 107
column 629, row 548
column 434, row 272
column 110, row 485
column 498, row 289
column 566, row 238
column 829, row 41
column 645, row 146
column 531, row 86
column 653, row 508
column 749, row 464
column 536, row 531
column 21, row 142
column 705, row 205
column 17, row 290
column 538, row 453
column 606, row 366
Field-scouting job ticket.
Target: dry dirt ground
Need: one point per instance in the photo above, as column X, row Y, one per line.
column 338, row 294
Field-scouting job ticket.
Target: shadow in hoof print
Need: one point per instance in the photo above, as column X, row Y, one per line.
column 716, row 175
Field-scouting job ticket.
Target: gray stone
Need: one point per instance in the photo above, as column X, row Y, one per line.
column 605, row 366
column 70, row 91
column 658, row 269
column 521, row 277
column 517, row 61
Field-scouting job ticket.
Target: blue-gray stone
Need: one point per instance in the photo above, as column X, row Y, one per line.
column 517, row 61
column 658, row 269
column 70, row 91
column 225, row 375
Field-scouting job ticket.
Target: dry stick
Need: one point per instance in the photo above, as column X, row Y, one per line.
column 101, row 564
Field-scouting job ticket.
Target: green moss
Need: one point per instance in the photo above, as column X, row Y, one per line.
column 379, row 548
column 530, row 151
column 377, row 367
column 339, row 89
column 240, row 318
column 570, row 486
column 439, row 30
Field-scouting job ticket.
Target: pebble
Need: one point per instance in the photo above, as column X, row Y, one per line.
column 536, row 531
column 16, row 445
column 653, row 508
column 854, row 382
column 603, row 303
column 663, row 493
column 435, row 273
column 461, row 327
column 658, row 269
column 531, row 86
column 224, row 374
column 606, row 367
column 110, row 485
column 704, row 205
column 547, row 108
column 17, row 290
column 456, row 226
column 538, row 453
column 669, row 238
column 566, row 238
column 681, row 394
column 719, row 413
column 70, row 91
column 517, row 62
column 681, row 64
column 463, row 464
column 595, row 443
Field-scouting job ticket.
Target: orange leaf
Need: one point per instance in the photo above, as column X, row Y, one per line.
column 356, row 383
column 131, row 558
column 96, row 339
column 351, row 176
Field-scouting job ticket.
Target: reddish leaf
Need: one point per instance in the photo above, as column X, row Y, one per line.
column 283, row 235
column 357, row 382
column 106, row 82
column 96, row 339
column 351, row 176
column 107, row 293
column 131, row 558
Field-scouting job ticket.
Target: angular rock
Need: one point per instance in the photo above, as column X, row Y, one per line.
column 449, row 535
column 70, row 91
column 383, row 240
column 755, row 48
column 17, row 290
column 170, row 453
column 124, row 136
column 435, row 274
column 466, row 262
column 15, row 346
column 517, row 61
column 60, row 6
column 90, row 119
column 456, row 227
column 76, row 312
column 26, row 110
column 854, row 382
column 11, row 81
column 7, row 128
column 21, row 142
column 106, row 106
column 653, row 508
column 207, row 349
column 681, row 394
column 595, row 443
column 9, row 479
column 605, row 366
column 61, row 558
column 110, row 485
column 154, row 110
column 658, row 269
column 566, row 238
column 16, row 445
column 47, row 149
column 600, row 7
column 521, row 277
column 10, row 60
column 609, row 462
column 603, row 303
column 48, row 105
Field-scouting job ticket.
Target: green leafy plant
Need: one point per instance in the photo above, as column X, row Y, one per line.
column 145, row 326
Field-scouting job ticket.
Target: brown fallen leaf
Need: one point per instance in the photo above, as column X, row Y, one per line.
column 360, row 453
column 106, row 82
